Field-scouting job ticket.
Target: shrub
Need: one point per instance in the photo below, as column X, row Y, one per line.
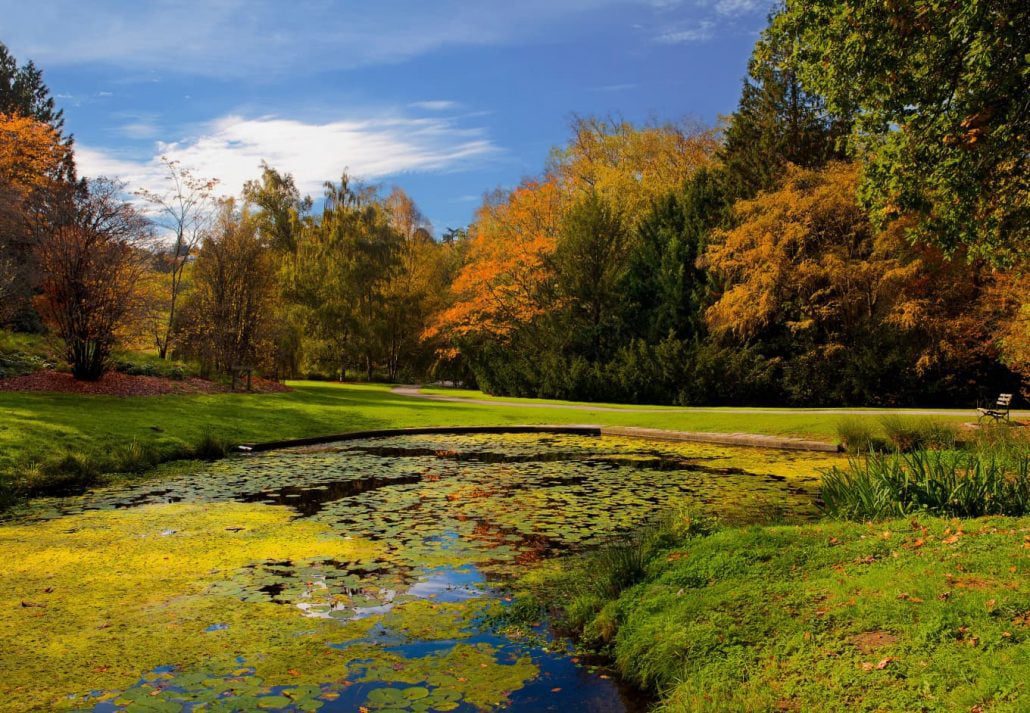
column 210, row 448
column 946, row 483
column 858, row 436
column 144, row 365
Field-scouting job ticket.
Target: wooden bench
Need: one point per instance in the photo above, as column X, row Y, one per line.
column 999, row 411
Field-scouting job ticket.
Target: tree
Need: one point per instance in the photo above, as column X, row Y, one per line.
column 852, row 314
column 31, row 159
column 589, row 264
column 92, row 256
column 23, row 93
column 777, row 122
column 943, row 110
column 499, row 287
column 281, row 207
column 227, row 316
column 342, row 270
column 630, row 166
column 183, row 211
column 665, row 291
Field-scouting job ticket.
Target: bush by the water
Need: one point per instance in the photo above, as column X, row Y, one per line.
column 948, row 483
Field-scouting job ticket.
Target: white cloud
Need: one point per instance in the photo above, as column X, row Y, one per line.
column 740, row 7
column 231, row 149
column 699, row 32
column 435, row 105
column 138, row 130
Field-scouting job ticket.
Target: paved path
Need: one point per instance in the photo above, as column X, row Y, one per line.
column 415, row 392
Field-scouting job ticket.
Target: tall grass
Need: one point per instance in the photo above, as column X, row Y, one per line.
column 910, row 434
column 946, row 483
column 73, row 473
column 613, row 568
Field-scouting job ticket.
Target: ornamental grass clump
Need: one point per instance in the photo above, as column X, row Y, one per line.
column 945, row 483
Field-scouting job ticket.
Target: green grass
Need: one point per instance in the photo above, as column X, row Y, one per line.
column 924, row 614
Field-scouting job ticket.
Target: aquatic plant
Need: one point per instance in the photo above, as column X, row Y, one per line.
column 279, row 580
column 949, row 483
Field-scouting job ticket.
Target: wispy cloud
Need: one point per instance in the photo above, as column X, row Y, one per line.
column 233, row 147
column 138, row 130
column 259, row 39
column 435, row 105
column 741, row 7
column 231, row 38
column 699, row 32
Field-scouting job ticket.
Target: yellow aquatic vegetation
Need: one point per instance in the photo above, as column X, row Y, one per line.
column 93, row 601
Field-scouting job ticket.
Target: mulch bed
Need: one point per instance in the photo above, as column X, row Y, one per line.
column 116, row 384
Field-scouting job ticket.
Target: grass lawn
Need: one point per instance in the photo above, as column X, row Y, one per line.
column 37, row 427
column 922, row 614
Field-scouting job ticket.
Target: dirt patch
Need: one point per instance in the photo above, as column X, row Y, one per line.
column 869, row 641
column 117, row 384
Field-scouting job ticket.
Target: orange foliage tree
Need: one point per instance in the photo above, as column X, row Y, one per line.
column 510, row 241
column 515, row 234
column 803, row 264
column 31, row 158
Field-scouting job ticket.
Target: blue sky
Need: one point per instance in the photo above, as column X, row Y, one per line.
column 445, row 98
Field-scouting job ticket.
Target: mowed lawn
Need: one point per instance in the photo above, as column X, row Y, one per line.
column 35, row 426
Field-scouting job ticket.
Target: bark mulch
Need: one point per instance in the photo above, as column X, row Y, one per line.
column 116, row 384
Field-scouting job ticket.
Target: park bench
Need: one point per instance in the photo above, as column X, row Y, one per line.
column 999, row 411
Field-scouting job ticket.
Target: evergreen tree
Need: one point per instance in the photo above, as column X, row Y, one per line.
column 666, row 292
column 777, row 122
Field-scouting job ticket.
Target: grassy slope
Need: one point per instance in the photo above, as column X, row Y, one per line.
column 925, row 614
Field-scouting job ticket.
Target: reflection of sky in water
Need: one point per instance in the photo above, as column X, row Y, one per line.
column 457, row 517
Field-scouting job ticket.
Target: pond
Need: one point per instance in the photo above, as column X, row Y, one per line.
column 365, row 574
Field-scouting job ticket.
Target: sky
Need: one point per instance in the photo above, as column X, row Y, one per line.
column 447, row 99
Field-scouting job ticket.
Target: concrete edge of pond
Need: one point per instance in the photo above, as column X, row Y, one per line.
column 418, row 431
column 749, row 440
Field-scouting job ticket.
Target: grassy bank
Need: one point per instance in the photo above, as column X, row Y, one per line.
column 916, row 614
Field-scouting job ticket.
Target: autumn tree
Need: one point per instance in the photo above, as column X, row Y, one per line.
column 510, row 244
column 942, row 115
column 851, row 314
column 91, row 253
column 630, row 166
column 183, row 212
column 23, row 93
column 228, row 313
column 32, row 158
